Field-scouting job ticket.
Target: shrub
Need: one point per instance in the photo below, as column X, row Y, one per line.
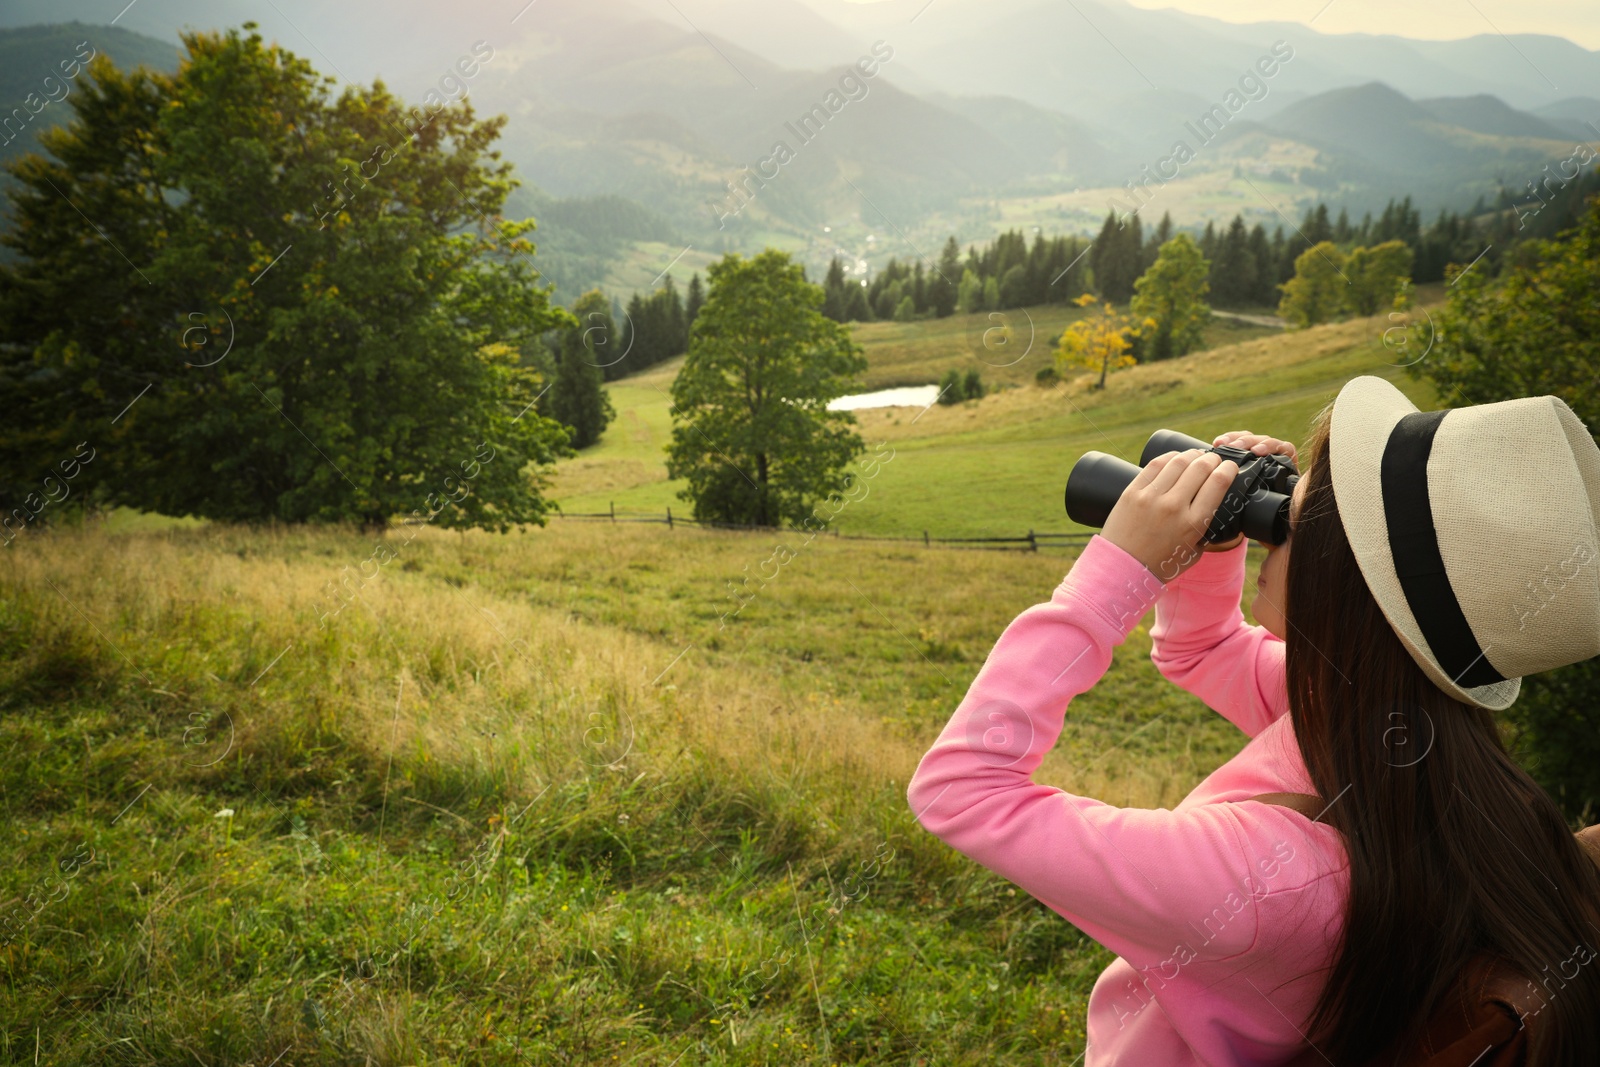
column 952, row 389
column 1535, row 332
column 1557, row 721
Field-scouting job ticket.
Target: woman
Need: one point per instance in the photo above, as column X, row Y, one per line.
column 1257, row 923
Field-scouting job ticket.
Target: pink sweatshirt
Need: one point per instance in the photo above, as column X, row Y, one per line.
column 1225, row 912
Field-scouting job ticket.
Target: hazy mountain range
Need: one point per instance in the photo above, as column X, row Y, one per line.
column 979, row 114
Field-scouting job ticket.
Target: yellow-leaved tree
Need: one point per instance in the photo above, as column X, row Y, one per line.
column 1100, row 341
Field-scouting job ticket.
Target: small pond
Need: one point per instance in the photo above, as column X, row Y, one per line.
column 911, row 396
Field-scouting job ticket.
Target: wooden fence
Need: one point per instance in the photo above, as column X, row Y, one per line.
column 1030, row 543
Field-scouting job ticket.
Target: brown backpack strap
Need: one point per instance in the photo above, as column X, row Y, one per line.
column 1485, row 1021
column 1492, row 1007
column 1306, row 804
column 1590, row 840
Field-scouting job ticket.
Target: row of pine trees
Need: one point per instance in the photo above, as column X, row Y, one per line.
column 1246, row 268
column 655, row 327
column 1243, row 268
column 1247, row 265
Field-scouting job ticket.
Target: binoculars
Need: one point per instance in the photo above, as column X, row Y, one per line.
column 1257, row 502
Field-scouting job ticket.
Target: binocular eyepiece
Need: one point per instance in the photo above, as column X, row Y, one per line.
column 1257, row 502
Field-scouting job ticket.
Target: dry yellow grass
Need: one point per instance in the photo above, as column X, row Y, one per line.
column 586, row 644
column 1259, row 359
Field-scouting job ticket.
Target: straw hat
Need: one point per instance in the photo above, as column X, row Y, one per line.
column 1475, row 530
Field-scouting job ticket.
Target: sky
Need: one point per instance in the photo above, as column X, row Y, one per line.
column 1576, row 20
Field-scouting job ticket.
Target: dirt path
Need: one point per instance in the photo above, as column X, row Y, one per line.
column 1255, row 320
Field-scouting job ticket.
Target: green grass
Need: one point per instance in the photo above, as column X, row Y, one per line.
column 997, row 467
column 525, row 800
column 542, row 797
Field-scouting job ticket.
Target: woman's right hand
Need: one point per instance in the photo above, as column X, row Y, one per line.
column 1164, row 512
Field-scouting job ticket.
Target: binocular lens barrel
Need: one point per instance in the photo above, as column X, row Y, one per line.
column 1163, row 441
column 1095, row 485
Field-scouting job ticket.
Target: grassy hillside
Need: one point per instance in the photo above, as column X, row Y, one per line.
column 1005, row 347
column 522, row 801
column 997, row 467
column 540, row 798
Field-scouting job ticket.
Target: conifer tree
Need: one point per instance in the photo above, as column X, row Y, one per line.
column 696, row 300
column 859, row 311
column 1115, row 258
column 1284, row 253
column 577, row 398
column 1265, row 290
column 1316, row 226
column 1133, row 251
column 1233, row 272
column 942, row 291
column 1164, row 230
column 674, row 323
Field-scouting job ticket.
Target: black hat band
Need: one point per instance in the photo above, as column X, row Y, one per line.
column 1414, row 546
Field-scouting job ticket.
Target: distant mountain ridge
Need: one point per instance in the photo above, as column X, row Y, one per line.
column 1577, row 116
column 1388, row 133
column 30, row 55
column 680, row 108
column 1483, row 113
column 1098, row 50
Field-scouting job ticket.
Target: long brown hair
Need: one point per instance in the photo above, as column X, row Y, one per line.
column 1453, row 848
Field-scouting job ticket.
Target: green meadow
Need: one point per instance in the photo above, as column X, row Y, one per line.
column 543, row 797
column 997, row 466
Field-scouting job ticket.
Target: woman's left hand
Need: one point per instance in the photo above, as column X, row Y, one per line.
column 1261, row 445
column 1161, row 517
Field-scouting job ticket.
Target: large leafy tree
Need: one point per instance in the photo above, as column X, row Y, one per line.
column 1319, row 290
column 308, row 300
column 751, row 429
column 1376, row 275
column 1536, row 332
column 1099, row 341
column 1172, row 295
